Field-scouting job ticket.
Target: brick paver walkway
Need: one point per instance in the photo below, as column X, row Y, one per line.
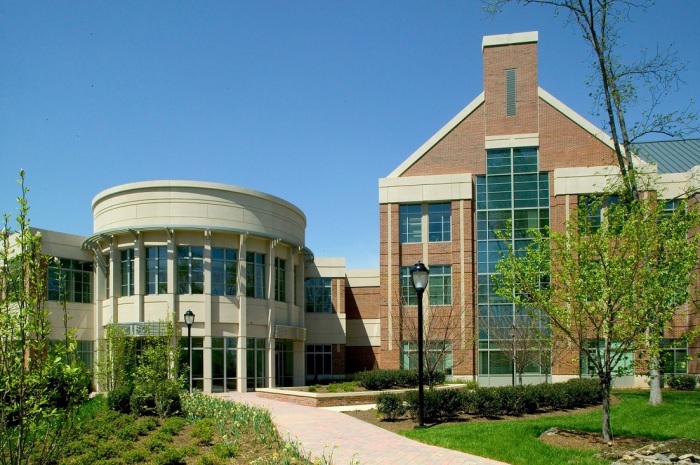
column 349, row 438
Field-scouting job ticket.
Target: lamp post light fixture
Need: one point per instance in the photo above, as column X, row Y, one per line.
column 189, row 319
column 419, row 278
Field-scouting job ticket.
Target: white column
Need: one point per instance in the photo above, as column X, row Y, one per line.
column 241, row 361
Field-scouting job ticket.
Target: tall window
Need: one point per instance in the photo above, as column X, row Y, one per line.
column 318, row 295
column 439, row 222
column 223, row 364
column 85, row 351
column 224, row 271
column 674, row 357
column 157, row 269
column 255, row 275
column 70, row 280
column 440, row 285
column 512, row 193
column 190, row 270
column 408, row 293
column 439, row 355
column 197, row 360
column 127, row 271
column 510, row 92
column 319, row 362
column 280, row 280
column 410, row 223
column 594, row 207
column 108, row 279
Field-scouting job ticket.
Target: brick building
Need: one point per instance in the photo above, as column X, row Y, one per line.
column 269, row 313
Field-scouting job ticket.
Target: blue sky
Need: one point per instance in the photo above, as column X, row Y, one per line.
column 311, row 101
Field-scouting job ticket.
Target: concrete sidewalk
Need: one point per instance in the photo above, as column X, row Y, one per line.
column 327, row 431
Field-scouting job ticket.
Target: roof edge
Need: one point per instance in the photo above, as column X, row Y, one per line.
column 437, row 137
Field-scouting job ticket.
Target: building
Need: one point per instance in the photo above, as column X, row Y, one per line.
column 268, row 313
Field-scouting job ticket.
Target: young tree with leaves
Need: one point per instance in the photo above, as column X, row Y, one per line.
column 604, row 285
column 619, row 88
column 40, row 389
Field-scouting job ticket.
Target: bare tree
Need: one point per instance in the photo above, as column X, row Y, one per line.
column 446, row 332
column 524, row 339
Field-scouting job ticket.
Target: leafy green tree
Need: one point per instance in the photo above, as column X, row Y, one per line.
column 604, row 285
column 40, row 388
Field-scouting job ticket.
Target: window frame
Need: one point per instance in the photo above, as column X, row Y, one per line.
column 126, row 261
column 255, row 275
column 158, row 275
column 224, row 271
column 193, row 264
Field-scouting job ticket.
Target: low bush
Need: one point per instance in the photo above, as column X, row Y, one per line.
column 119, row 399
column 390, row 405
column 203, row 431
column 682, row 382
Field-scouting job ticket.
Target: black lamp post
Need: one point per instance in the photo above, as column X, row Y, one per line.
column 419, row 278
column 189, row 319
column 512, row 336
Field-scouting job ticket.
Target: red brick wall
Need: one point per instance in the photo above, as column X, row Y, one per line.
column 361, row 358
column 362, row 303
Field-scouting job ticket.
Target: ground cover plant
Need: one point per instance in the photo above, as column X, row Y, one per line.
column 516, row 441
column 211, row 431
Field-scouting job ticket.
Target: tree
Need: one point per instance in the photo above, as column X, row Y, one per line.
column 603, row 285
column 40, row 388
column 524, row 339
column 444, row 327
column 619, row 88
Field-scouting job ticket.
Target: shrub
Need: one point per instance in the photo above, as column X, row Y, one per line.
column 390, row 405
column 119, row 399
column 138, row 455
column 170, row 456
column 143, row 400
column 487, row 402
column 682, row 382
column 377, row 380
column 203, row 431
column 449, row 402
column 584, row 391
column 172, row 426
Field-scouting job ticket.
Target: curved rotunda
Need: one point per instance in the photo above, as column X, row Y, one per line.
column 233, row 256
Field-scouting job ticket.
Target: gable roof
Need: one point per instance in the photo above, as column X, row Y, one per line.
column 474, row 104
column 671, row 156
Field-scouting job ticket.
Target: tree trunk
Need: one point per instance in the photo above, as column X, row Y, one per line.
column 655, row 396
column 605, row 384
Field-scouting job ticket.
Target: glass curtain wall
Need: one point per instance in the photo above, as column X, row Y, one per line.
column 512, row 190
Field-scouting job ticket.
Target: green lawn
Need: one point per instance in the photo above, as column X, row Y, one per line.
column 515, row 441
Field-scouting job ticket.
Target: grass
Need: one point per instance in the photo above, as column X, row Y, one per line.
column 516, row 441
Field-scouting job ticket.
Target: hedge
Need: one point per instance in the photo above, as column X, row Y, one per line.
column 441, row 404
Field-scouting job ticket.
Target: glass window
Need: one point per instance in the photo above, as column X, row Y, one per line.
column 674, row 357
column 70, row 280
column 86, row 353
column 410, row 218
column 408, row 293
column 319, row 362
column 439, row 354
column 440, row 285
column 197, row 361
column 127, row 271
column 190, row 270
column 224, row 271
column 439, row 222
column 318, row 295
column 223, row 364
column 255, row 275
column 624, row 367
column 280, row 280
column 513, row 196
column 157, row 269
column 255, row 363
